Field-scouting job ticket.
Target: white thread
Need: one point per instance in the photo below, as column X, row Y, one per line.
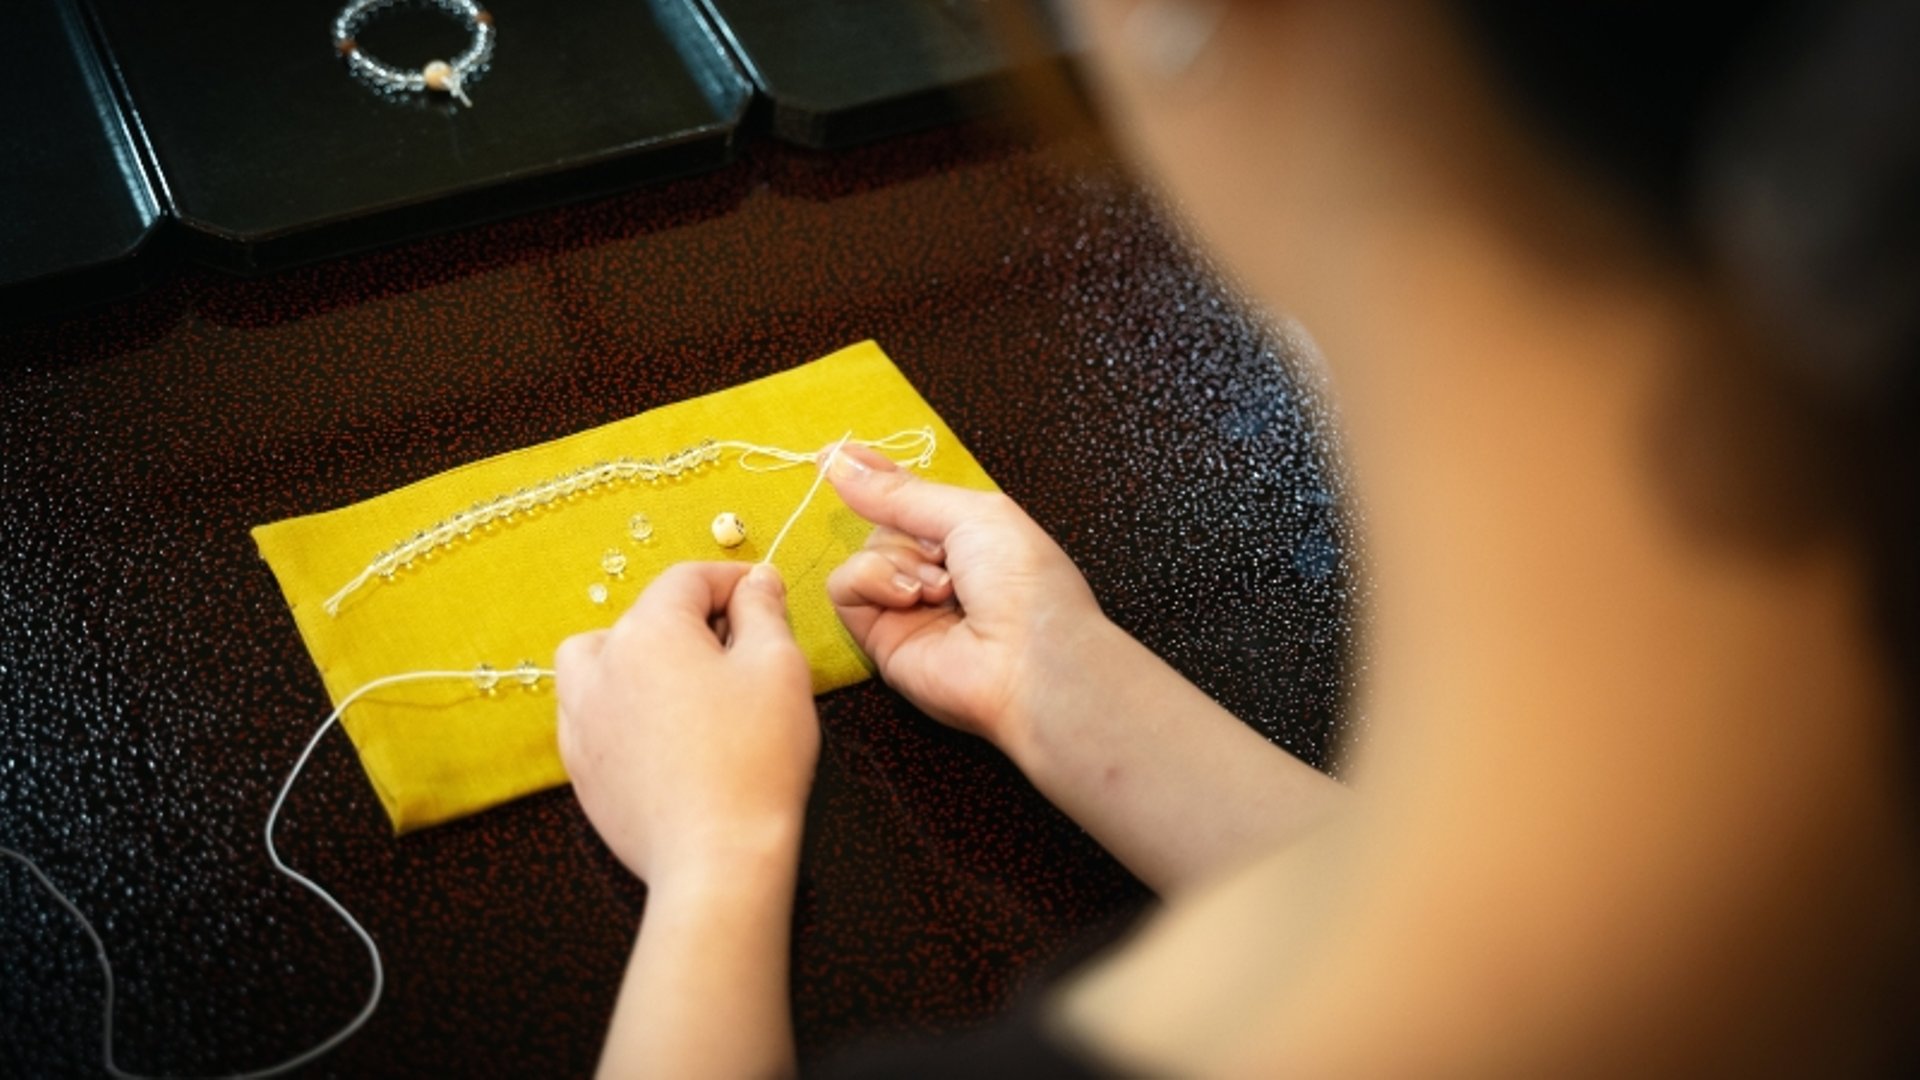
column 273, row 854
column 818, row 476
column 922, row 442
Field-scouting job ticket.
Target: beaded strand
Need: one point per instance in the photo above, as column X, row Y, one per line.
column 919, row 442
column 451, row 78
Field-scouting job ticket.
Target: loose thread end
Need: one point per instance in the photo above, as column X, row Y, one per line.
column 818, row 477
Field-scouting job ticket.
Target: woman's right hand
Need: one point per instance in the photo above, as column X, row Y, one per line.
column 961, row 600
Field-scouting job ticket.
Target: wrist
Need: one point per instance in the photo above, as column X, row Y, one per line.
column 1074, row 676
column 729, row 860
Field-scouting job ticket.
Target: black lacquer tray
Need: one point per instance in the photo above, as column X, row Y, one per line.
column 839, row 72
column 270, row 153
column 78, row 205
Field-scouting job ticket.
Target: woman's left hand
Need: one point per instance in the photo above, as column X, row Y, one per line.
column 689, row 727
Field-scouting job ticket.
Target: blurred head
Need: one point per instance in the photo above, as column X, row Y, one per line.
column 1763, row 157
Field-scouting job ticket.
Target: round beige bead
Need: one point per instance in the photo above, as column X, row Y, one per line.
column 728, row 530
column 437, row 74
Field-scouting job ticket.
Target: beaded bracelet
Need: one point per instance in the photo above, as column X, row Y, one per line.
column 449, row 78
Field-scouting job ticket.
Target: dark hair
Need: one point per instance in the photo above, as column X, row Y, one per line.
column 1778, row 143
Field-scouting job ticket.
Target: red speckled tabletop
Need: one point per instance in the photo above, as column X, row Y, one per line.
column 153, row 690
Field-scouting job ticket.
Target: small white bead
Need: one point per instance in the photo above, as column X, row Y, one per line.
column 597, row 593
column 729, row 531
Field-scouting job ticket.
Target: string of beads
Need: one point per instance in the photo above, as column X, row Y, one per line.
column 449, row 77
column 918, row 444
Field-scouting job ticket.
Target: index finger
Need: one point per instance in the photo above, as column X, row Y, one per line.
column 882, row 492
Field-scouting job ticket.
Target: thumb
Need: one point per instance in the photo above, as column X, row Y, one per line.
column 885, row 494
column 757, row 611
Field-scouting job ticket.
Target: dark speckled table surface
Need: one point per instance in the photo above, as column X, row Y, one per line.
column 153, row 690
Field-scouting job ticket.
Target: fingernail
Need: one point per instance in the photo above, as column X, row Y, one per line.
column 905, row 583
column 930, row 548
column 846, row 468
column 764, row 576
column 934, row 576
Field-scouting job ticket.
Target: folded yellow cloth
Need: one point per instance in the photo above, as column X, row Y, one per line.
column 511, row 591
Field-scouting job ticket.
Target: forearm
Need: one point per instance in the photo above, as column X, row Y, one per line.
column 1171, row 784
column 706, row 990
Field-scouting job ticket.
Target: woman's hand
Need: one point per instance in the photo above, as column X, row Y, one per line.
column 963, row 602
column 980, row 619
column 688, row 727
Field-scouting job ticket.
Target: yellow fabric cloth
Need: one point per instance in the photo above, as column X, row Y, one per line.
column 440, row 750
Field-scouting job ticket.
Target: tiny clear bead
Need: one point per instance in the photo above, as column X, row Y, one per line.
column 485, row 677
column 597, row 593
column 528, row 673
column 613, row 561
column 640, row 527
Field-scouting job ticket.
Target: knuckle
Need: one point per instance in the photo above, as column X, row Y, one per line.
column 837, row 580
column 785, row 661
column 679, row 572
column 569, row 657
column 775, row 649
column 895, row 481
column 879, row 569
column 567, row 735
column 1001, row 504
column 638, row 616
